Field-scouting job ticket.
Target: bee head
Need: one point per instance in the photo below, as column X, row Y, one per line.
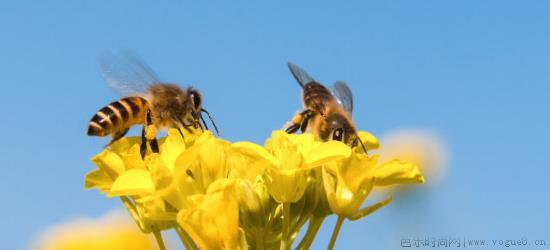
column 341, row 129
column 195, row 102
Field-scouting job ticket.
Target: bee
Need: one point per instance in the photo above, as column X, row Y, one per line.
column 327, row 112
column 148, row 101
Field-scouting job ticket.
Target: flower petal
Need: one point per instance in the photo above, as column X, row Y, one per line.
column 397, row 172
column 286, row 185
column 132, row 158
column 132, row 182
column 368, row 140
column 326, row 152
column 109, row 162
column 173, row 146
column 255, row 151
column 213, row 223
column 98, row 179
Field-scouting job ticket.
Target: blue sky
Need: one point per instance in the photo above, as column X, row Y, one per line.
column 475, row 72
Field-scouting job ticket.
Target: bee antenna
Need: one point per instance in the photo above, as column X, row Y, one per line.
column 181, row 133
column 362, row 145
column 179, row 129
column 211, row 120
column 203, row 122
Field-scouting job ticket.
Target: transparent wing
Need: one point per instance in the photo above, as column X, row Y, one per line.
column 343, row 95
column 126, row 73
column 299, row 74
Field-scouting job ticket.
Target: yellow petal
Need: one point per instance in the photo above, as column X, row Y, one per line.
column 368, row 140
column 187, row 177
column 358, row 171
column 397, row 172
column 255, row 151
column 186, row 159
column 326, row 152
column 172, row 147
column 109, row 162
column 98, row 179
column 212, row 160
column 213, row 223
column 132, row 182
column 244, row 168
column 342, row 199
column 123, row 144
column 160, row 174
column 152, row 209
column 165, row 185
column 132, row 159
column 286, row 185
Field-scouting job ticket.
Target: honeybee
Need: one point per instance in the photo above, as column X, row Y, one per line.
column 147, row 101
column 327, row 112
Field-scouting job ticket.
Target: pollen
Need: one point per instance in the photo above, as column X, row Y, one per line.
column 150, row 132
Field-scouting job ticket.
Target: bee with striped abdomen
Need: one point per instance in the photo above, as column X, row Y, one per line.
column 327, row 112
column 148, row 101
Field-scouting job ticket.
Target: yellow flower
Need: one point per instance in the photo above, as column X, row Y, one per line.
column 146, row 186
column 201, row 164
column 120, row 170
column 350, row 181
column 287, row 158
column 253, row 203
column 113, row 231
column 213, row 219
column 219, row 195
column 186, row 167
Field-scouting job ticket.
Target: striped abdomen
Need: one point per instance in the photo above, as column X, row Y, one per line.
column 316, row 96
column 118, row 116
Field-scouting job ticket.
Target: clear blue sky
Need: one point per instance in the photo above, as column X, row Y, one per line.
column 477, row 72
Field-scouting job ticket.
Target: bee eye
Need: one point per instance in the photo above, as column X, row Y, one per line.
column 338, row 134
column 196, row 100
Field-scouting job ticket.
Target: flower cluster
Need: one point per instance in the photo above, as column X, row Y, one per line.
column 222, row 195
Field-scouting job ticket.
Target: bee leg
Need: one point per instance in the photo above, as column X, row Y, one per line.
column 154, row 145
column 145, row 138
column 298, row 121
column 152, row 142
column 292, row 129
column 303, row 127
column 143, row 146
column 117, row 136
column 181, row 133
column 186, row 127
column 307, row 114
column 294, row 124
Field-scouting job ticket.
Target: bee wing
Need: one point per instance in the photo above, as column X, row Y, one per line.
column 299, row 74
column 342, row 93
column 126, row 73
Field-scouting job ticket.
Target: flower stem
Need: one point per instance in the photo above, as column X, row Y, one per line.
column 188, row 243
column 286, row 226
column 133, row 211
column 335, row 232
column 260, row 239
column 312, row 229
column 158, row 237
column 295, row 229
